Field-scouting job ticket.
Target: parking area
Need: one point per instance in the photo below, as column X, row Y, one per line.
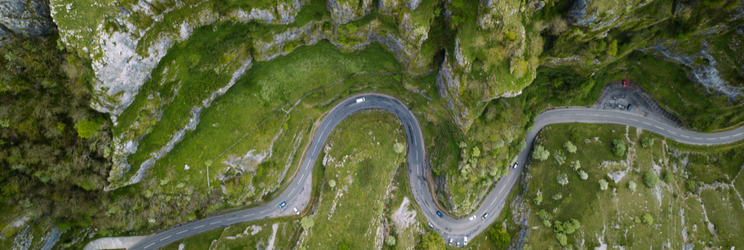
column 615, row 96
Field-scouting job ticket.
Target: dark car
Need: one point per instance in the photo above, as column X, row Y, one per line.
column 516, row 164
column 281, row 205
column 440, row 214
column 629, row 106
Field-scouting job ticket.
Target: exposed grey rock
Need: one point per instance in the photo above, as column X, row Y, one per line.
column 577, row 11
column 348, row 11
column 413, row 4
column 26, row 18
column 449, row 88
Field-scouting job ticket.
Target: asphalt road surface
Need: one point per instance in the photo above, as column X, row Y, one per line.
column 298, row 192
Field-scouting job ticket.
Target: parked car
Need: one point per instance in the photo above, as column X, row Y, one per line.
column 297, row 212
column 281, row 205
column 516, row 164
column 450, row 241
column 630, row 106
column 440, row 214
column 431, row 225
column 624, row 83
column 465, row 242
column 484, row 216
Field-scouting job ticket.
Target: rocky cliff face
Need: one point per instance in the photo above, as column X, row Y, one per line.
column 25, row 18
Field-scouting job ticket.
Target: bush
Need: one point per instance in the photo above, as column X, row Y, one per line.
column 431, row 241
column 612, row 50
column 399, row 147
column 332, row 183
column 569, row 147
column 390, row 241
column 540, row 153
column 88, row 128
column 343, row 246
column 500, row 238
column 559, row 157
column 618, row 147
column 632, row 186
column 307, row 222
column 647, row 219
column 583, row 175
column 647, row 143
column 544, row 215
column 691, row 185
column 562, row 179
column 562, row 239
column 558, row 196
column 603, row 184
column 651, row 179
column 538, row 199
column 668, row 177
column 576, row 165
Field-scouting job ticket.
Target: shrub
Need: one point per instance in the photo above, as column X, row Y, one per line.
column 612, row 50
column 332, row 183
column 500, row 238
column 538, row 199
column 576, row 165
column 343, row 246
column 562, row 179
column 691, row 185
column 544, row 215
column 651, row 179
column 540, row 153
column 569, row 147
column 668, row 177
column 307, row 222
column 648, row 219
column 632, row 186
column 390, row 241
column 559, row 157
column 431, row 241
column 603, row 184
column 351, row 27
column 562, row 239
column 647, row 143
column 558, row 196
column 583, row 175
column 618, row 147
column 399, row 147
column 88, row 128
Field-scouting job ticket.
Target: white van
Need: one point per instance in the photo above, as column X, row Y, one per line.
column 358, row 100
column 466, row 241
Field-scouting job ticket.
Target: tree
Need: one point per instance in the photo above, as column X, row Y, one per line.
column 569, row 147
column 583, row 175
column 544, row 215
column 651, row 179
column 618, row 147
column 343, row 246
column 88, row 128
column 612, row 50
column 562, row 179
column 562, row 239
column 559, row 157
column 648, row 219
column 431, row 241
column 603, row 184
column 332, row 183
column 390, row 241
column 575, row 165
column 540, row 153
column 307, row 222
column 500, row 238
column 632, row 186
column 399, row 147
column 538, row 199
column 647, row 143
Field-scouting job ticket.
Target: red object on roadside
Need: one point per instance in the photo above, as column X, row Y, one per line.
column 624, row 83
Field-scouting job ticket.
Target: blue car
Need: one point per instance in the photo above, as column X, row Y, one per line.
column 284, row 203
column 440, row 214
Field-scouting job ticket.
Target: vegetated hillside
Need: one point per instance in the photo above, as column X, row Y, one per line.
column 625, row 187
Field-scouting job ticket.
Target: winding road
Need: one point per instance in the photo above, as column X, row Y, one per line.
column 297, row 194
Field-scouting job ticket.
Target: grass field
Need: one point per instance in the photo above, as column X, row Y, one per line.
column 279, row 233
column 360, row 159
column 612, row 217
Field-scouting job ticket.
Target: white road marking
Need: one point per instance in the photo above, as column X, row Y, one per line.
column 685, row 136
column 697, row 138
column 293, row 189
column 710, row 139
column 725, row 137
column 182, row 232
column 672, row 132
column 632, row 119
column 215, row 222
column 149, row 245
column 738, row 134
column 198, row 227
column 231, row 218
column 658, row 127
column 647, row 123
column 247, row 215
column 165, row 238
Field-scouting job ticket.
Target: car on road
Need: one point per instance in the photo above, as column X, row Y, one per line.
column 471, row 218
column 484, row 216
column 358, row 100
column 297, row 212
column 281, row 205
column 516, row 164
column 440, row 214
column 625, row 84
column 630, row 106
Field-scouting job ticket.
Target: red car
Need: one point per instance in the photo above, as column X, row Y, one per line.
column 624, row 83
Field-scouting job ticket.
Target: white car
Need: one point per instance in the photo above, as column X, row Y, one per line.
column 466, row 241
column 358, row 100
column 471, row 218
column 297, row 212
column 516, row 164
column 484, row 216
